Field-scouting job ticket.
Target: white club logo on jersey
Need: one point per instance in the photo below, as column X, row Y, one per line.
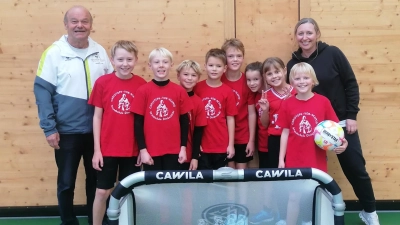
column 162, row 108
column 303, row 124
column 212, row 107
column 237, row 97
column 275, row 118
column 121, row 102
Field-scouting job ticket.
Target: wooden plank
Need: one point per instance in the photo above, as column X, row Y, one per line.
column 229, row 19
column 305, row 8
column 266, row 28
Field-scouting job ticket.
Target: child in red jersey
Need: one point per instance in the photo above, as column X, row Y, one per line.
column 246, row 119
column 300, row 115
column 257, row 85
column 114, row 146
column 188, row 75
column 220, row 106
column 274, row 72
column 161, row 117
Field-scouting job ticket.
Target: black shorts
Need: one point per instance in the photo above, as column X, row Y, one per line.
column 124, row 166
column 164, row 162
column 274, row 144
column 263, row 158
column 184, row 166
column 212, row 161
column 240, row 154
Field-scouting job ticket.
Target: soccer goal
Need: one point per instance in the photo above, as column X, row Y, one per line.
column 225, row 197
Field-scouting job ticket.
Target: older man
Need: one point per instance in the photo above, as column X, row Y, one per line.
column 66, row 73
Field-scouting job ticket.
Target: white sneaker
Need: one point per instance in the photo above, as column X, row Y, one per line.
column 369, row 218
column 281, row 222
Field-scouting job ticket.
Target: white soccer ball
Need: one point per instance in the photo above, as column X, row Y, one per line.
column 328, row 135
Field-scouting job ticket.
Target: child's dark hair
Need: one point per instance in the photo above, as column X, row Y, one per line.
column 217, row 53
column 272, row 62
column 254, row 66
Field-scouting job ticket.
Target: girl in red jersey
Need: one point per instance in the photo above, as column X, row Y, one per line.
column 274, row 72
column 188, row 74
column 114, row 148
column 257, row 85
column 161, row 117
column 298, row 148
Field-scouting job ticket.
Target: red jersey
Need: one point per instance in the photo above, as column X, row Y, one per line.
column 219, row 102
column 262, row 132
column 161, row 107
column 301, row 117
column 115, row 96
column 197, row 118
column 275, row 103
column 244, row 97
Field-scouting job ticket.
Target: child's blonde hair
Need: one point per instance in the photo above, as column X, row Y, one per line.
column 303, row 68
column 187, row 64
column 233, row 42
column 129, row 46
column 160, row 51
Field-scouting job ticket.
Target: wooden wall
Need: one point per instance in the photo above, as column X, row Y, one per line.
column 365, row 30
column 187, row 28
column 368, row 34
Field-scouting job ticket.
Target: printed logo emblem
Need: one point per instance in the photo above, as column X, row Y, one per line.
column 226, row 213
column 162, row 108
column 275, row 116
column 212, row 107
column 303, row 124
column 237, row 97
column 96, row 59
column 121, row 102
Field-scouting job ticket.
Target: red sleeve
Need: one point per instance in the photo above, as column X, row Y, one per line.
column 250, row 96
column 201, row 119
column 97, row 95
column 139, row 101
column 283, row 119
column 231, row 109
column 185, row 103
column 329, row 112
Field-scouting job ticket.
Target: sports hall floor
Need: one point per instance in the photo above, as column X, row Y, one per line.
column 351, row 218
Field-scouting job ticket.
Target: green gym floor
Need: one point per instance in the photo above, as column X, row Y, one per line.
column 351, row 218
